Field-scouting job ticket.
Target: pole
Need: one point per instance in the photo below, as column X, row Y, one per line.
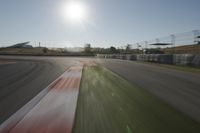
column 195, row 34
column 146, row 45
column 173, row 42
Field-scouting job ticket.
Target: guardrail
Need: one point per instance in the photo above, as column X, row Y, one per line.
column 177, row 59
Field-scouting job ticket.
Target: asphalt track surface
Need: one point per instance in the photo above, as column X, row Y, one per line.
column 177, row 88
column 52, row 110
column 24, row 79
column 21, row 81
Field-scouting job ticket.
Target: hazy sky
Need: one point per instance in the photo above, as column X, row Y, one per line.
column 107, row 22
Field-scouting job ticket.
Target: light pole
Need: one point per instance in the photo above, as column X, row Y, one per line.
column 146, row 46
column 196, row 39
column 173, row 42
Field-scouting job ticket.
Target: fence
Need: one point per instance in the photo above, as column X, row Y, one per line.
column 177, row 59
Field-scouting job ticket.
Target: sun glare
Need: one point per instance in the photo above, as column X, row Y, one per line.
column 74, row 11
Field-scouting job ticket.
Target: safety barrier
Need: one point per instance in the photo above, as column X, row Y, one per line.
column 183, row 59
column 177, row 59
column 196, row 60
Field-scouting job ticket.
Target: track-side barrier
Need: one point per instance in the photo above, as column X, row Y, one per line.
column 177, row 59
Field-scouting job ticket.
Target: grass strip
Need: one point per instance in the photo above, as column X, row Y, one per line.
column 109, row 104
column 176, row 67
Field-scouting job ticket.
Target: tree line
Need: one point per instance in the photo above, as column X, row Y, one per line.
column 88, row 49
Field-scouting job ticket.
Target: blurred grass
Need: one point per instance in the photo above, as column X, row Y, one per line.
column 109, row 104
column 40, row 51
column 182, row 68
column 176, row 67
column 26, row 51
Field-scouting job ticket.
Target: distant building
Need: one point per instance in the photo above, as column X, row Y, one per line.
column 21, row 45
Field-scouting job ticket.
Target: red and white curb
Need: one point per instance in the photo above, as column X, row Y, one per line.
column 52, row 110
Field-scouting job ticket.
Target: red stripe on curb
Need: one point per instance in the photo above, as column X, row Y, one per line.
column 56, row 110
column 69, row 82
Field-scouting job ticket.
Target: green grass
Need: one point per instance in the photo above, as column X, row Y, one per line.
column 109, row 104
column 177, row 67
column 182, row 68
column 22, row 50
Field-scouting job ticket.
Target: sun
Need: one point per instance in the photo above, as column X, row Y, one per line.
column 74, row 11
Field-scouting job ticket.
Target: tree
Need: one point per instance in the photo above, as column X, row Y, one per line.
column 45, row 50
column 113, row 50
column 128, row 48
column 87, row 48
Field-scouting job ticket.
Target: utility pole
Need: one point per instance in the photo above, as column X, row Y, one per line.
column 195, row 34
column 138, row 46
column 196, row 40
column 173, row 42
column 146, row 46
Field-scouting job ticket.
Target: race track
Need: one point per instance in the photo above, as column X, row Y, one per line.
column 177, row 88
column 25, row 77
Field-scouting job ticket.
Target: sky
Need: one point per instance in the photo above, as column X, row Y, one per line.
column 106, row 23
